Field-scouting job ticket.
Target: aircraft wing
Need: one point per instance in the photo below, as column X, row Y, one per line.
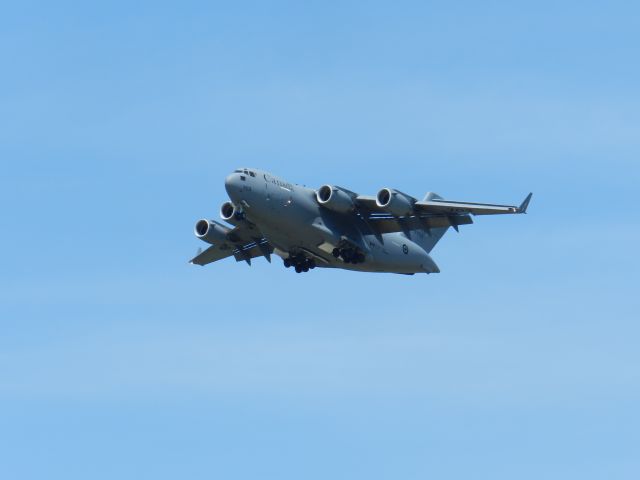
column 365, row 202
column 243, row 244
column 439, row 206
column 211, row 254
column 450, row 207
column 380, row 224
column 431, row 213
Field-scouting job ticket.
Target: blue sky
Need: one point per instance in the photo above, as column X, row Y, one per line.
column 118, row 125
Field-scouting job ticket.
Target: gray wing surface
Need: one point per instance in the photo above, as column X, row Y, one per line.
column 431, row 213
column 448, row 207
column 210, row 255
column 242, row 243
column 388, row 224
column 440, row 206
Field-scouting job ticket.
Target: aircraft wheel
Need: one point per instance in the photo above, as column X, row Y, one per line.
column 287, row 263
column 336, row 252
column 298, row 268
column 305, row 269
column 312, row 264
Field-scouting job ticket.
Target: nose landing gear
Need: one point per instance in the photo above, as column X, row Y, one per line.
column 300, row 263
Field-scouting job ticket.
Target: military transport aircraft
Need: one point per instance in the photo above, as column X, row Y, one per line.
column 332, row 226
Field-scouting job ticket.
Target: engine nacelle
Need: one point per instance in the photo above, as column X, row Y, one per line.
column 334, row 199
column 396, row 203
column 211, row 232
column 228, row 211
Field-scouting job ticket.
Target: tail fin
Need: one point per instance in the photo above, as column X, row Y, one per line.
column 431, row 196
column 428, row 238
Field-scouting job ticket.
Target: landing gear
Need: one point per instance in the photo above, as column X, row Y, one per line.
column 349, row 255
column 300, row 263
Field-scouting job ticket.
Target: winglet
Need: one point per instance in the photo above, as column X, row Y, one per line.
column 523, row 206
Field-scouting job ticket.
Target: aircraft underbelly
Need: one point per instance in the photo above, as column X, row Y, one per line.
column 399, row 254
column 396, row 254
column 300, row 228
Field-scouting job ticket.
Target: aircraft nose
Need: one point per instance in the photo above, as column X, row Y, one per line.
column 232, row 184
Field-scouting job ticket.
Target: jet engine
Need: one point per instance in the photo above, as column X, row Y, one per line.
column 211, row 232
column 396, row 203
column 228, row 211
column 334, row 198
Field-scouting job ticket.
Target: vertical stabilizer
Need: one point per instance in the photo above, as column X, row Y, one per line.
column 431, row 196
column 428, row 238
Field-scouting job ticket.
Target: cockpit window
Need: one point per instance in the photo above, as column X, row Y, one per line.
column 252, row 174
column 243, row 178
column 237, row 171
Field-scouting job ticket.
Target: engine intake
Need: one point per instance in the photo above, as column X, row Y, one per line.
column 396, row 203
column 334, row 199
column 211, row 232
column 228, row 211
